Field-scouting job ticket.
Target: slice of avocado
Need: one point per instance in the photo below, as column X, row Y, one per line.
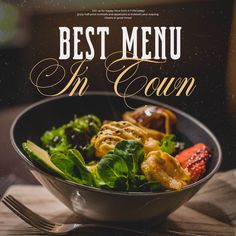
column 41, row 156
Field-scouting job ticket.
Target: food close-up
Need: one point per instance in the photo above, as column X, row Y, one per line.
column 142, row 152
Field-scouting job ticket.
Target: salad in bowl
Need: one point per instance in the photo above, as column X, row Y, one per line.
column 142, row 152
column 109, row 164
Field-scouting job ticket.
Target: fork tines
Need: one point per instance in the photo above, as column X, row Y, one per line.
column 27, row 215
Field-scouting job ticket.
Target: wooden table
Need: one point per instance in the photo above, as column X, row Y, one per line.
column 212, row 211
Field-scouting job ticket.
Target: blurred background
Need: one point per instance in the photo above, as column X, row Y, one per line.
column 29, row 33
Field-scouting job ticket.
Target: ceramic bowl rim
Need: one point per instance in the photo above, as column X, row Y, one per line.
column 112, row 192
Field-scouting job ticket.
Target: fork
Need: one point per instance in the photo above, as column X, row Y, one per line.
column 53, row 228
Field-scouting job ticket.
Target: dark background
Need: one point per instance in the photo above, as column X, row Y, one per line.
column 208, row 39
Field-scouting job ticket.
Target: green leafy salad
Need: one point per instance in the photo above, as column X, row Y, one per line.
column 113, row 155
column 69, row 154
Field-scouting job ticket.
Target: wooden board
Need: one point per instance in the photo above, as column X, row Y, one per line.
column 211, row 212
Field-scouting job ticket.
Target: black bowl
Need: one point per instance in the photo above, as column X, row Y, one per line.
column 100, row 204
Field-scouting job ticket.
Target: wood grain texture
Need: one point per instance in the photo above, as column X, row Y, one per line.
column 211, row 212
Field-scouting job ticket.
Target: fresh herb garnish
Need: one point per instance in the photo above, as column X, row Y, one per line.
column 168, row 144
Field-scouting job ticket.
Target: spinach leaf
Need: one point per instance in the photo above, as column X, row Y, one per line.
column 133, row 154
column 67, row 166
column 168, row 144
column 119, row 168
column 154, row 186
column 113, row 171
column 90, row 150
column 85, row 174
column 136, row 181
column 140, row 183
column 73, row 166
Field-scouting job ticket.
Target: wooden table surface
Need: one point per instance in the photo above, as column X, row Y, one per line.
column 212, row 211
